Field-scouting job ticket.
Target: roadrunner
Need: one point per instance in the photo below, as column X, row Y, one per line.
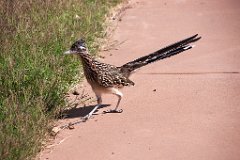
column 106, row 78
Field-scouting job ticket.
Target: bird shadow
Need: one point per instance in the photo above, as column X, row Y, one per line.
column 81, row 111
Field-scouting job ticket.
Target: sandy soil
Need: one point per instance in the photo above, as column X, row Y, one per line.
column 183, row 108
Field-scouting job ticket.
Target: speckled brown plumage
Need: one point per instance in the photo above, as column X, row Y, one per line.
column 103, row 74
column 106, row 78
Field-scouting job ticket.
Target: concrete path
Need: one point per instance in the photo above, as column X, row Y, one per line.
column 183, row 108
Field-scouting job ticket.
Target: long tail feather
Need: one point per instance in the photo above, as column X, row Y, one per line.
column 163, row 53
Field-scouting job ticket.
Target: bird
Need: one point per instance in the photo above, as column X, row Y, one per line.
column 109, row 79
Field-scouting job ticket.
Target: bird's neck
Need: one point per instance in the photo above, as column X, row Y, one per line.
column 86, row 58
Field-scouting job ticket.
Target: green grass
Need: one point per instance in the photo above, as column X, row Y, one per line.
column 34, row 73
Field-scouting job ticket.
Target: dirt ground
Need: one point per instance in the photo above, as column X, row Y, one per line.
column 186, row 107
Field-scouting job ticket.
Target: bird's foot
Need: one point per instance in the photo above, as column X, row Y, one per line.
column 87, row 117
column 113, row 111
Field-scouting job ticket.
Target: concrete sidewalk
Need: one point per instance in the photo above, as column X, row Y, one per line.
column 186, row 107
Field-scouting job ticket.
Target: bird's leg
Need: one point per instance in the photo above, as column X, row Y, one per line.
column 120, row 95
column 99, row 102
column 120, row 110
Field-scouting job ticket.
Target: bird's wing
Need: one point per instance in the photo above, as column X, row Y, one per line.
column 110, row 76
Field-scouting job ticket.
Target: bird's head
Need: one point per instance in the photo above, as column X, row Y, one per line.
column 78, row 47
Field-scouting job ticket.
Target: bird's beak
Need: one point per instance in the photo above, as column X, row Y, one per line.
column 70, row 52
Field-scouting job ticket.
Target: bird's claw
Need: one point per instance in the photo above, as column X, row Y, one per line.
column 113, row 111
column 85, row 118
